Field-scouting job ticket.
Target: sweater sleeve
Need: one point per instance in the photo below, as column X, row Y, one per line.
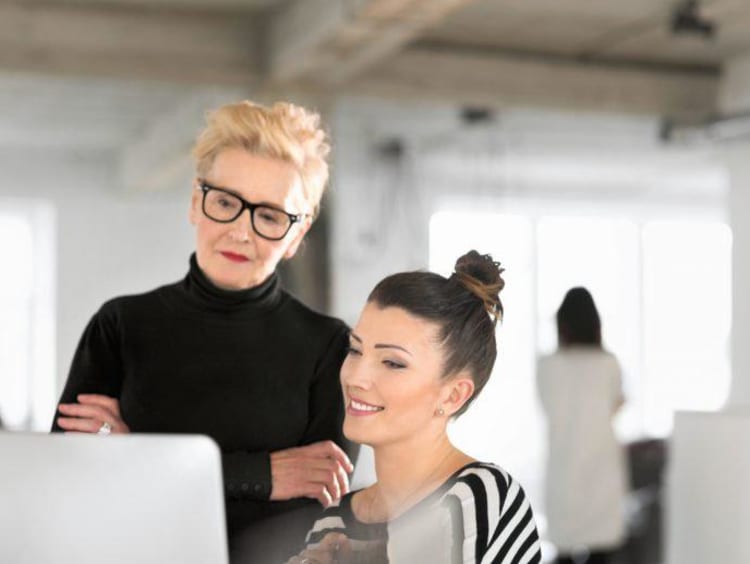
column 326, row 409
column 247, row 475
column 97, row 363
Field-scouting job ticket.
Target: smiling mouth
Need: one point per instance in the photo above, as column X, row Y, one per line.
column 361, row 407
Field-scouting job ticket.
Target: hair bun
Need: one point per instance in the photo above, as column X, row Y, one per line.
column 482, row 276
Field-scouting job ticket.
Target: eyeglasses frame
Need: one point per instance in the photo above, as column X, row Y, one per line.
column 205, row 187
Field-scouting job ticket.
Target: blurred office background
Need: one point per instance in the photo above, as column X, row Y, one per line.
column 592, row 143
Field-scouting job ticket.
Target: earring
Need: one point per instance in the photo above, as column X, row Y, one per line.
column 440, row 412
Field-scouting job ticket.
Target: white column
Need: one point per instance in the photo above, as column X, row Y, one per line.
column 737, row 158
column 707, row 478
column 735, row 99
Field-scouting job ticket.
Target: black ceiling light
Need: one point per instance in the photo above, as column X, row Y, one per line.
column 471, row 115
column 687, row 20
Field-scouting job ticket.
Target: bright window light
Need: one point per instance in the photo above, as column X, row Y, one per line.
column 27, row 336
column 687, row 307
column 16, row 292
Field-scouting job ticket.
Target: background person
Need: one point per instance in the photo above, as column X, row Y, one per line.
column 581, row 390
column 423, row 348
column 226, row 351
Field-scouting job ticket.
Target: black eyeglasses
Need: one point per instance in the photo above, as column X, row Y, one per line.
column 223, row 206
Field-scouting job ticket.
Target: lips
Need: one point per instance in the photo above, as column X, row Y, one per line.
column 234, row 257
column 359, row 407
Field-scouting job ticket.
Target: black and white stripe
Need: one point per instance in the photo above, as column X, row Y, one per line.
column 498, row 524
column 491, row 520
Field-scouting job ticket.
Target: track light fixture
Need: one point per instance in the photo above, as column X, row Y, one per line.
column 687, row 20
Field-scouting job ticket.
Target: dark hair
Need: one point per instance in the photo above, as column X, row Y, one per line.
column 466, row 307
column 578, row 320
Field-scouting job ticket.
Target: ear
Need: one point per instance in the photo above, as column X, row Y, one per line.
column 195, row 204
column 457, row 391
column 303, row 228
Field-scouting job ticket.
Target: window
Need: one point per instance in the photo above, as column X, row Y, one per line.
column 27, row 383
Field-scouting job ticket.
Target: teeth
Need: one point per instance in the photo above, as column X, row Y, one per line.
column 364, row 407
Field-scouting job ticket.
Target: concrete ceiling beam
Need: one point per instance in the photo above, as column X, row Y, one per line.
column 330, row 41
column 498, row 81
column 132, row 44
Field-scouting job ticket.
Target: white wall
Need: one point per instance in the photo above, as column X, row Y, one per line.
column 735, row 99
column 108, row 242
column 737, row 159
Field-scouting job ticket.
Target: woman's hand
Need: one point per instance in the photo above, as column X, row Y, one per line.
column 319, row 471
column 91, row 413
column 333, row 549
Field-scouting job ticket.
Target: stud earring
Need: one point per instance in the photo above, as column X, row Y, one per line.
column 440, row 412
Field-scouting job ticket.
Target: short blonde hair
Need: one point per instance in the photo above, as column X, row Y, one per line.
column 284, row 131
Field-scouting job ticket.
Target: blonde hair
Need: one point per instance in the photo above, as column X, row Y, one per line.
column 284, row 131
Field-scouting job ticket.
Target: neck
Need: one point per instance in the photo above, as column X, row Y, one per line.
column 409, row 470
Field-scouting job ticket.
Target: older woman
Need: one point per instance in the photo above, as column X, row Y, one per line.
column 421, row 351
column 226, row 351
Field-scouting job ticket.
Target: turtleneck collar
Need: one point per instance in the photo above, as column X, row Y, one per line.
column 207, row 296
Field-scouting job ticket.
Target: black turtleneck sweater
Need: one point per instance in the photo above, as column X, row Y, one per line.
column 255, row 370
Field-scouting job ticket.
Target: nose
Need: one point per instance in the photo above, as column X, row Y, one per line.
column 242, row 228
column 355, row 374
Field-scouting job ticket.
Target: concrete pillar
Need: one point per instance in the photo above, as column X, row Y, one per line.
column 737, row 158
column 735, row 99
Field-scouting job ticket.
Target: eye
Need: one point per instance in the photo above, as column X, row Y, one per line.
column 394, row 365
column 269, row 216
column 351, row 351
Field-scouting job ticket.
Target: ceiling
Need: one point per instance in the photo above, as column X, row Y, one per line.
column 203, row 5
column 635, row 32
column 102, row 74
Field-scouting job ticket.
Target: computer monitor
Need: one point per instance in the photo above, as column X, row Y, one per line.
column 135, row 499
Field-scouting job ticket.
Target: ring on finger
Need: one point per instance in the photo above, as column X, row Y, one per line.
column 105, row 429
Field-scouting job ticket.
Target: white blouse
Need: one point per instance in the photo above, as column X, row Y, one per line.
column 586, row 482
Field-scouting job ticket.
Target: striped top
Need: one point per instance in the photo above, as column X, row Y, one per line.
column 479, row 515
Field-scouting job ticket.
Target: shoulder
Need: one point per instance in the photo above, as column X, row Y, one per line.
column 492, row 515
column 115, row 307
column 576, row 356
column 313, row 322
column 480, row 480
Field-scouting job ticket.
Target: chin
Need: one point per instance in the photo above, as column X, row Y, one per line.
column 356, row 435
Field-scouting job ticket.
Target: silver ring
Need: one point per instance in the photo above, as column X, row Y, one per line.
column 105, row 429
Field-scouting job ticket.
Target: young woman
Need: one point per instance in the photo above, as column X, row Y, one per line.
column 581, row 390
column 423, row 348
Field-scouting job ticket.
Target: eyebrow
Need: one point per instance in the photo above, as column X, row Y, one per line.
column 381, row 345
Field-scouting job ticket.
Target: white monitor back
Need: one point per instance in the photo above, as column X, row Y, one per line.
column 708, row 515
column 84, row 499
